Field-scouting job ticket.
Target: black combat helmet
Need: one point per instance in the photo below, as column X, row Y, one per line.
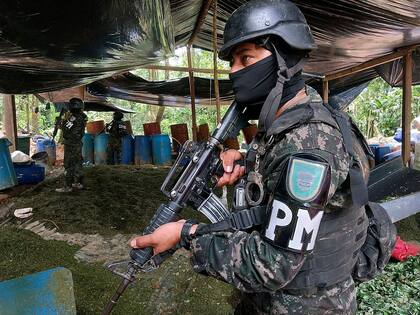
column 76, row 103
column 118, row 115
column 259, row 18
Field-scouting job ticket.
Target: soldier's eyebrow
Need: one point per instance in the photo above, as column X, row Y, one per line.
column 241, row 51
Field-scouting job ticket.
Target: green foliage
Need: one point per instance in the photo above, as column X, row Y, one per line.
column 378, row 110
column 396, row 291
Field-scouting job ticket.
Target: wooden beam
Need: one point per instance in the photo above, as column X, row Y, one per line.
column 184, row 69
column 406, row 109
column 325, row 91
column 215, row 74
column 372, row 63
column 192, row 94
column 160, row 113
column 200, row 20
column 9, row 119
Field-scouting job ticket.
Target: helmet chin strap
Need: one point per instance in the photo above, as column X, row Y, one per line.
column 272, row 102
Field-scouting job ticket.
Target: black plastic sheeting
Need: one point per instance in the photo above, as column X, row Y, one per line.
column 49, row 45
column 176, row 92
column 96, row 107
column 392, row 72
column 45, row 46
column 169, row 93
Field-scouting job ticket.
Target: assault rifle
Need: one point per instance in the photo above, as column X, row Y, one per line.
column 189, row 183
column 58, row 121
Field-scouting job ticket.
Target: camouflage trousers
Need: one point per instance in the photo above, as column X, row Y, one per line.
column 73, row 162
column 339, row 299
column 113, row 152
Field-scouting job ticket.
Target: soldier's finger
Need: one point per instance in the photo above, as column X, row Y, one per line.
column 235, row 174
column 142, row 241
column 223, row 180
column 228, row 161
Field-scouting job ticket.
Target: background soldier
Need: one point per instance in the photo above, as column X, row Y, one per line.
column 116, row 129
column 73, row 128
column 294, row 249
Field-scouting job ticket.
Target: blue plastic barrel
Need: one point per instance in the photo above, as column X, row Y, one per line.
column 7, row 172
column 161, row 149
column 391, row 156
column 142, row 150
column 29, row 174
column 46, row 145
column 88, row 149
column 127, row 148
column 101, row 144
column 380, row 152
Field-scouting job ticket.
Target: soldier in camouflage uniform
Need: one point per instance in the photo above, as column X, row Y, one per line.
column 305, row 180
column 116, row 129
column 73, row 128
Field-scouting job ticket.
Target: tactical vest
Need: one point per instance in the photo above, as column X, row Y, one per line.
column 342, row 231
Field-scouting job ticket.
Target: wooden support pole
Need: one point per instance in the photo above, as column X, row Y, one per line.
column 215, row 74
column 372, row 63
column 192, row 94
column 406, row 109
column 9, row 119
column 200, row 20
column 325, row 91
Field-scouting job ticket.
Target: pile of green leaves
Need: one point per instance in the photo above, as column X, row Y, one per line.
column 396, row 291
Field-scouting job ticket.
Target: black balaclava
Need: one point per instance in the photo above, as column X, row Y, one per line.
column 253, row 84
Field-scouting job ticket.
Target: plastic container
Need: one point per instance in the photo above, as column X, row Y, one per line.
column 380, row 152
column 88, row 149
column 151, row 128
column 7, row 172
column 95, row 127
column 100, row 147
column 179, row 134
column 127, row 148
column 41, row 158
column 29, row 174
column 391, row 156
column 142, row 150
column 161, row 149
column 47, row 145
column 203, row 133
column 23, row 144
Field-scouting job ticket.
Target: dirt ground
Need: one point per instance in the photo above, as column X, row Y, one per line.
column 86, row 229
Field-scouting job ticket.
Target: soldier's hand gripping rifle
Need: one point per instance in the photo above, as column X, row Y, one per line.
column 58, row 121
column 188, row 183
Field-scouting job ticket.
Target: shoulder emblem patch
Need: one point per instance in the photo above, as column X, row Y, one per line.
column 305, row 178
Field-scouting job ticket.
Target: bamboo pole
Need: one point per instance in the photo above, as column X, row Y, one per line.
column 215, row 74
column 406, row 110
column 192, row 94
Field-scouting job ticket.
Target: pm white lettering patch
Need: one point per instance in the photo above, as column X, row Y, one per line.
column 291, row 228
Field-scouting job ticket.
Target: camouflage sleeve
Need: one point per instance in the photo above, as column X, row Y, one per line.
column 317, row 139
column 248, row 261
column 245, row 260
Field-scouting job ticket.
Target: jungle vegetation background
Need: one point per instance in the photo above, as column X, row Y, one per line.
column 377, row 110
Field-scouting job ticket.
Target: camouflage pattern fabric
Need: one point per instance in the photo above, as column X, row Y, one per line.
column 73, row 127
column 116, row 130
column 254, row 266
